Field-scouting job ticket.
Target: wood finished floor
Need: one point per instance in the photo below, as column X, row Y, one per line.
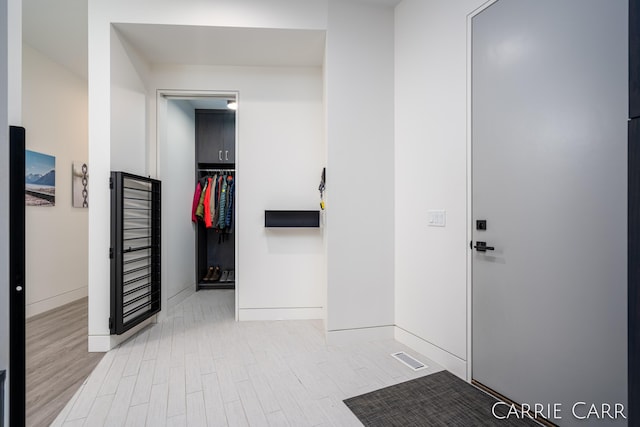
column 198, row 367
column 57, row 360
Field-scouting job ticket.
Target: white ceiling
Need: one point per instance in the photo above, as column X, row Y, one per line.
column 58, row 29
column 196, row 45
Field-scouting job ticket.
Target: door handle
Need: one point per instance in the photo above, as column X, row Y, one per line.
column 226, row 155
column 220, row 155
column 482, row 247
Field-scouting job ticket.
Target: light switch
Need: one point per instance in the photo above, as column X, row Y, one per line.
column 437, row 218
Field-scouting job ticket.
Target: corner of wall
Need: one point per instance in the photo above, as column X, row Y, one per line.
column 431, row 280
column 351, row 336
column 10, row 114
column 360, row 180
column 447, row 360
column 105, row 343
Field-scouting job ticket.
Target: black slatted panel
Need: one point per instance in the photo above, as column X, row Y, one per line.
column 135, row 250
column 17, row 380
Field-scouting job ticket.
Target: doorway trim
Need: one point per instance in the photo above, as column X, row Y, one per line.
column 470, row 17
column 162, row 95
column 16, row 375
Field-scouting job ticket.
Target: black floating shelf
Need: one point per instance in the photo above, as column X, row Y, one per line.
column 292, row 219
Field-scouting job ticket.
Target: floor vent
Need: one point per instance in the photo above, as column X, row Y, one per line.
column 414, row 364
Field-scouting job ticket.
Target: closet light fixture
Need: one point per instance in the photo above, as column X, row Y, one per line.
column 232, row 105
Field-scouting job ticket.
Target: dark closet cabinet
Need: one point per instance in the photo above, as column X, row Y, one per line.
column 215, row 132
column 216, row 137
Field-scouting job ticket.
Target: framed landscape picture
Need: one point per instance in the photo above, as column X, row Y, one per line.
column 40, row 179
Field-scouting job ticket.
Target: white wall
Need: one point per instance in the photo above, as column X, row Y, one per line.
column 360, row 167
column 431, row 173
column 128, row 112
column 280, row 156
column 100, row 161
column 117, row 142
column 291, row 14
column 177, row 172
column 10, row 114
column 54, row 104
column 359, row 99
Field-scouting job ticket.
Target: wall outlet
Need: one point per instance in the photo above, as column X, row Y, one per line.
column 437, row 218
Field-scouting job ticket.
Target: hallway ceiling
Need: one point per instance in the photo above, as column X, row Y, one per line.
column 58, row 29
column 196, row 45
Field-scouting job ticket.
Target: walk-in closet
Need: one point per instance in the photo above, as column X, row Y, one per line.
column 213, row 209
column 270, row 153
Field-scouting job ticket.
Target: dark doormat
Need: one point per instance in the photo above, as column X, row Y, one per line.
column 439, row 399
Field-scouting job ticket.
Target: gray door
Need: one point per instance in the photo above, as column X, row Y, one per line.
column 549, row 109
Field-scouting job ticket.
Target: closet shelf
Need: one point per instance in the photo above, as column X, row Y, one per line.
column 291, row 219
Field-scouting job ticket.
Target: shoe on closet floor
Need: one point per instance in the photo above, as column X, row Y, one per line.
column 209, row 275
column 225, row 276
column 231, row 277
column 216, row 274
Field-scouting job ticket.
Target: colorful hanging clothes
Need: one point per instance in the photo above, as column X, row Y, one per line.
column 213, row 200
column 229, row 214
column 200, row 208
column 223, row 205
column 196, row 200
column 207, row 205
column 216, row 214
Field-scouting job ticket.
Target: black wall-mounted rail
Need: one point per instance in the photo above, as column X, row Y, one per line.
column 292, row 219
column 135, row 250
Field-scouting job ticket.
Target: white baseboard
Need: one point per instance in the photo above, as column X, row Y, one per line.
column 306, row 313
column 104, row 343
column 447, row 360
column 56, row 301
column 181, row 296
column 350, row 336
column 99, row 343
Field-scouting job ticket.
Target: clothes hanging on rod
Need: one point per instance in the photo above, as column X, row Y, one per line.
column 196, row 201
column 223, row 202
column 228, row 216
column 200, row 207
column 207, row 205
column 214, row 193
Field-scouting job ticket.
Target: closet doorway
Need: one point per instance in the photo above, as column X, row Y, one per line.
column 196, row 158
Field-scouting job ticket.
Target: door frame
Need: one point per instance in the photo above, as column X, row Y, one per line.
column 469, row 123
column 17, row 289
column 162, row 95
